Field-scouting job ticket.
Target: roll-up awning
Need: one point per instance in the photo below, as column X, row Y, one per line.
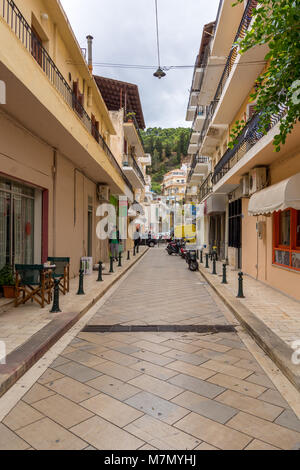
column 277, row 197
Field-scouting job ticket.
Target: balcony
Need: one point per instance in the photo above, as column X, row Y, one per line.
column 132, row 134
column 190, row 114
column 44, row 109
column 192, row 149
column 133, row 172
column 206, row 188
column 262, row 154
column 199, row 118
column 235, row 83
column 199, row 169
column 146, row 160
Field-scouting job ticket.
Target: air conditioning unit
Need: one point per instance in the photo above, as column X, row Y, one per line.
column 258, row 179
column 103, row 192
column 245, row 185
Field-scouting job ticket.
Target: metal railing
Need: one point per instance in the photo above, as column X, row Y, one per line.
column 196, row 159
column 134, row 120
column 249, row 136
column 129, row 161
column 243, row 27
column 18, row 24
column 205, row 188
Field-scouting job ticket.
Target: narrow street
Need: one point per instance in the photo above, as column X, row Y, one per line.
column 154, row 390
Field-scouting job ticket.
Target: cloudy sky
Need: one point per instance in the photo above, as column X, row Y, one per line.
column 124, row 33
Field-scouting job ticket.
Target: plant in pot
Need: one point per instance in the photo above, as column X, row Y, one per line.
column 130, row 117
column 7, row 281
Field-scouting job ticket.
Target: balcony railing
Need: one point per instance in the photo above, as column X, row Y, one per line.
column 249, row 136
column 205, row 188
column 197, row 159
column 129, row 160
column 133, row 119
column 18, row 24
column 244, row 25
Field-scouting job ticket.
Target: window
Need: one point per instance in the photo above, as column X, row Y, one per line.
column 286, row 238
column 235, row 217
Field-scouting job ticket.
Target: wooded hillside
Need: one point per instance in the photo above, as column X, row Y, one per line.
column 168, row 147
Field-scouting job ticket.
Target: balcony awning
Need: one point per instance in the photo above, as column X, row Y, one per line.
column 277, row 197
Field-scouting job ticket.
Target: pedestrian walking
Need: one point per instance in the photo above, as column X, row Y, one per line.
column 114, row 241
column 137, row 238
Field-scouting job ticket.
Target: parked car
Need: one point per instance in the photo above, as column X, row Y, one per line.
column 151, row 242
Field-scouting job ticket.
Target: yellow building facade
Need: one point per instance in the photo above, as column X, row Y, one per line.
column 56, row 164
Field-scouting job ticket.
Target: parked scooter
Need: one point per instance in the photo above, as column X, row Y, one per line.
column 191, row 259
column 173, row 247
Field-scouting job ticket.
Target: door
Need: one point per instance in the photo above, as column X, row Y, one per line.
column 16, row 224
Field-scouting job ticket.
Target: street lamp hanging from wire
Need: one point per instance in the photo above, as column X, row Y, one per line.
column 159, row 72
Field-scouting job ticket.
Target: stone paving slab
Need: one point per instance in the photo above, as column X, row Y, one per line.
column 26, row 349
column 156, row 401
column 270, row 317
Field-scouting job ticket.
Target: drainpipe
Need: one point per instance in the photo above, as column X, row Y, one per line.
column 90, row 53
column 54, row 176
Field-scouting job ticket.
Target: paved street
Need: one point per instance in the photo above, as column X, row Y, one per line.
column 146, row 390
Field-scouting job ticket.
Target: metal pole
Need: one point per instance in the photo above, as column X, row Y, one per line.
column 214, row 266
column 111, row 265
column 80, row 288
column 55, row 307
column 120, row 260
column 128, row 255
column 134, row 250
column 100, row 272
column 224, row 281
column 201, row 257
column 241, row 291
column 206, row 258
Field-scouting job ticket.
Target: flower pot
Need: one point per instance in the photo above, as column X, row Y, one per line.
column 9, row 292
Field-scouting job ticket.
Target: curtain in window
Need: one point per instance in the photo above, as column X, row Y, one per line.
column 4, row 208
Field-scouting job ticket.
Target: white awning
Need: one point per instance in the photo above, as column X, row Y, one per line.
column 277, row 197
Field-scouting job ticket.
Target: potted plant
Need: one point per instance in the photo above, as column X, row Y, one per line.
column 130, row 117
column 7, row 281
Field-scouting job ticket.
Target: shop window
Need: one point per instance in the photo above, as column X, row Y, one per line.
column 286, row 239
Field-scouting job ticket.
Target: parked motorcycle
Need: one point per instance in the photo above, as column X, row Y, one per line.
column 191, row 259
column 173, row 247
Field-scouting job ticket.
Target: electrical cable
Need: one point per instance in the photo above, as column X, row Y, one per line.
column 167, row 67
column 157, row 33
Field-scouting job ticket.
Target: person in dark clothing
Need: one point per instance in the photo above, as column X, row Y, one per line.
column 137, row 239
column 114, row 242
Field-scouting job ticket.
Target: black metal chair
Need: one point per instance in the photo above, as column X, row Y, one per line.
column 62, row 271
column 33, row 282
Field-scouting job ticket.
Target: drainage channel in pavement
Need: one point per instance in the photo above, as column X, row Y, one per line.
column 159, row 328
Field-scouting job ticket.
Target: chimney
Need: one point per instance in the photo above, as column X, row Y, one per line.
column 90, row 53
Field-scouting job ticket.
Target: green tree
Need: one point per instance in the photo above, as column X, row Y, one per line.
column 276, row 24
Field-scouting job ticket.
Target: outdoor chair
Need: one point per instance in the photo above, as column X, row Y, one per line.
column 61, row 272
column 33, row 282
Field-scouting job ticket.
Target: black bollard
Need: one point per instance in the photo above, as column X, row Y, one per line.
column 206, row 264
column 128, row 255
column 55, row 307
column 100, row 272
column 224, row 281
column 241, row 291
column 201, row 257
column 138, row 249
column 214, row 266
column 80, row 288
column 134, row 250
column 111, row 265
column 120, row 260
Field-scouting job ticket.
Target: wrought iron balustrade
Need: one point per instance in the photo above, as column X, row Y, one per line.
column 249, row 136
column 130, row 161
column 205, row 188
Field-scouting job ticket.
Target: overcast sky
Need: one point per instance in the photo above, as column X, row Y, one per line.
column 124, row 33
